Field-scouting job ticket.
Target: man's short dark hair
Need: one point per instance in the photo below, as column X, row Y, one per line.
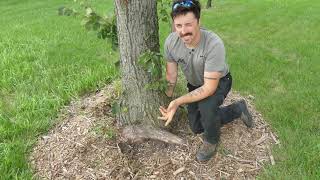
column 182, row 7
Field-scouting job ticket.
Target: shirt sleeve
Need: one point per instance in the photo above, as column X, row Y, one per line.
column 168, row 48
column 215, row 60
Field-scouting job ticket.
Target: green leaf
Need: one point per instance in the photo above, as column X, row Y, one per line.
column 117, row 64
column 95, row 26
column 89, row 11
column 84, row 21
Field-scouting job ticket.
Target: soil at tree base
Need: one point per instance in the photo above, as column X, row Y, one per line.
column 86, row 144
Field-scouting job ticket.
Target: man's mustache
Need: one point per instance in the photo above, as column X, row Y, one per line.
column 187, row 34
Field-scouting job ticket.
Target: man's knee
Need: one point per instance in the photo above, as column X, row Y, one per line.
column 209, row 111
column 210, row 104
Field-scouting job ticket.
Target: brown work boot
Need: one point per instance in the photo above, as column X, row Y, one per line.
column 206, row 151
column 245, row 115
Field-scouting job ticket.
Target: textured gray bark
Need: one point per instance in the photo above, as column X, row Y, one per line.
column 137, row 24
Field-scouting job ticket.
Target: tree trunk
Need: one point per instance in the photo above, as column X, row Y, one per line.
column 137, row 25
column 209, row 2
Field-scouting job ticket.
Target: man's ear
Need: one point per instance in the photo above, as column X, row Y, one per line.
column 173, row 28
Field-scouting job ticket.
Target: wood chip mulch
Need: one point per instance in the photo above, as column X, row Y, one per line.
column 85, row 144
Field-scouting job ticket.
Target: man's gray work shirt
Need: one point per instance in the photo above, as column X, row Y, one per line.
column 208, row 56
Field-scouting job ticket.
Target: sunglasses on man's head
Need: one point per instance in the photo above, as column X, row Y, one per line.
column 185, row 4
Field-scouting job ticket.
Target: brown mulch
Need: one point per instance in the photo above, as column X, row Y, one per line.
column 86, row 145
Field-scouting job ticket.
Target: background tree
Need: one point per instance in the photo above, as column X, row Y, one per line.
column 209, row 4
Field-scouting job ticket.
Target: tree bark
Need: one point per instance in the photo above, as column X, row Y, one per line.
column 138, row 31
column 137, row 24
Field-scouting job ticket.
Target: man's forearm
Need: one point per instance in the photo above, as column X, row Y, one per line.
column 195, row 95
column 171, row 84
column 171, row 76
column 170, row 88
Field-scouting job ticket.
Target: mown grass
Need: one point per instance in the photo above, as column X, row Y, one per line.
column 45, row 60
column 272, row 47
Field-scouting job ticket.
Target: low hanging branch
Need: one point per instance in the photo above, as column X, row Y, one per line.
column 104, row 26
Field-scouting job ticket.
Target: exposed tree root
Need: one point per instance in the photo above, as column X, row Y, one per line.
column 140, row 133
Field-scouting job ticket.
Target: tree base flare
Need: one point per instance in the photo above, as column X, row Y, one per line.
column 140, row 133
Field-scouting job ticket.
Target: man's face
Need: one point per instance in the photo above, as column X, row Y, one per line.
column 187, row 26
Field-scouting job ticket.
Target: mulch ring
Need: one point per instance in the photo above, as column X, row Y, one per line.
column 86, row 145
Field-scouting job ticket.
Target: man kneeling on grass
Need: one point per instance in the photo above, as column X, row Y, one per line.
column 201, row 56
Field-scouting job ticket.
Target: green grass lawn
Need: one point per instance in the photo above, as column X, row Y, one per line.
column 45, row 60
column 272, row 47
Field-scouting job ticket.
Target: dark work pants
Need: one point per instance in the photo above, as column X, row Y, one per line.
column 207, row 116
